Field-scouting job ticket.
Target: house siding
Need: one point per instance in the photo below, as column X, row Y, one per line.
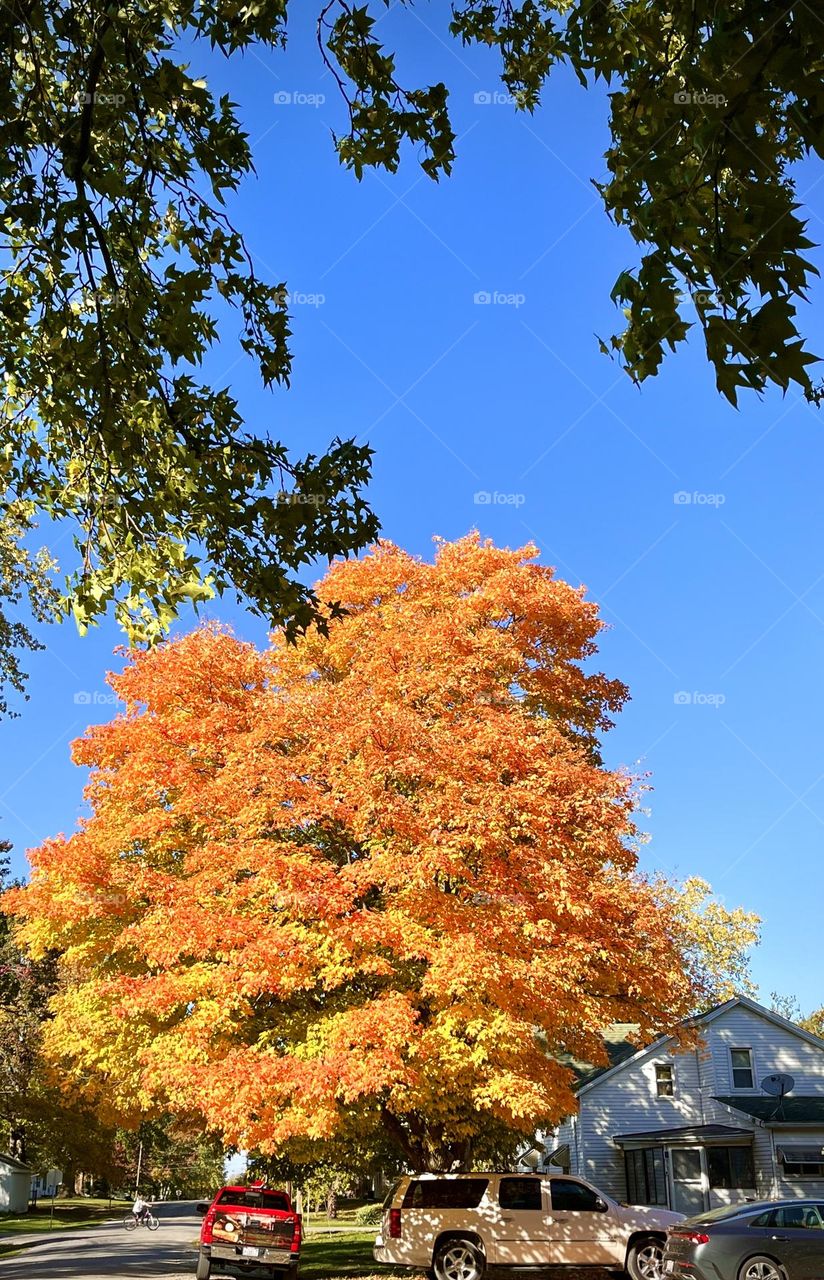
column 626, row 1101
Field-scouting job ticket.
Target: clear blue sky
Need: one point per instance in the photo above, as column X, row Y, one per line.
column 718, row 598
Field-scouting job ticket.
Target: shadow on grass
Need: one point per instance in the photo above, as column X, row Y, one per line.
column 345, row 1254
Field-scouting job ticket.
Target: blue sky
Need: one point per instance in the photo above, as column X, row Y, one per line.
column 720, row 598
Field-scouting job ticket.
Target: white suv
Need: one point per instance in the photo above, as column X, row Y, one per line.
column 461, row 1224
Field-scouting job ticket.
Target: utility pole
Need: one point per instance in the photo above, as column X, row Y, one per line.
column 139, row 1163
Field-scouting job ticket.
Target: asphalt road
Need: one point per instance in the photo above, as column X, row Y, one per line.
column 108, row 1250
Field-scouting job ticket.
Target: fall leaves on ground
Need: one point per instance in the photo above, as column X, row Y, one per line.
column 365, row 886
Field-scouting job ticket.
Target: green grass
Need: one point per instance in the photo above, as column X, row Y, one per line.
column 327, row 1255
column 73, row 1213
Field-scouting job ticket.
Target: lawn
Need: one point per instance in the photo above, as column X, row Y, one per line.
column 328, row 1254
column 71, row 1213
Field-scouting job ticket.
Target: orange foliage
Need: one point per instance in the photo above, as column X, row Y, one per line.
column 368, row 881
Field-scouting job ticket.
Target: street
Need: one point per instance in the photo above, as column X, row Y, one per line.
column 109, row 1250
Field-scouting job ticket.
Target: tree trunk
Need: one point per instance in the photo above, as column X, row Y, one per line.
column 332, row 1204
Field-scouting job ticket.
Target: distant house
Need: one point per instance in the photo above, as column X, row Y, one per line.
column 15, row 1184
column 693, row 1129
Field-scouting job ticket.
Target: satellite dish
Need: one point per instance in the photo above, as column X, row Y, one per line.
column 777, row 1085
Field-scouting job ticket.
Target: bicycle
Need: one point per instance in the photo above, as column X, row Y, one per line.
column 148, row 1220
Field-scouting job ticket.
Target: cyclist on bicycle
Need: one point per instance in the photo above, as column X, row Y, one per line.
column 141, row 1208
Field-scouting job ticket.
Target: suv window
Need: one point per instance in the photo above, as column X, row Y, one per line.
column 570, row 1196
column 238, row 1198
column 445, row 1193
column 520, row 1193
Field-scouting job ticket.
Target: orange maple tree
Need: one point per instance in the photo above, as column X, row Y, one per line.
column 371, row 882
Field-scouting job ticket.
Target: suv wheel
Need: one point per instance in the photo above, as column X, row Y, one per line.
column 645, row 1258
column 204, row 1267
column 459, row 1259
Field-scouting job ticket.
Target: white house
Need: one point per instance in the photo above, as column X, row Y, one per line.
column 15, row 1184
column 693, row 1129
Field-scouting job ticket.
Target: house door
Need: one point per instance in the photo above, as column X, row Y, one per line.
column 688, row 1176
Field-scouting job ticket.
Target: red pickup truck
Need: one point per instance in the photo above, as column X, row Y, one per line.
column 249, row 1228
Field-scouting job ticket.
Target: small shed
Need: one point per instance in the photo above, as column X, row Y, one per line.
column 15, row 1185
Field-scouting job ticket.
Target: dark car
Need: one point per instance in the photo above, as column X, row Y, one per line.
column 773, row 1240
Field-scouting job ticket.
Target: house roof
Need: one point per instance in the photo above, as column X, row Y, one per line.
column 794, row 1109
column 701, row 1020
column 619, row 1044
column 688, row 1134
column 14, row 1165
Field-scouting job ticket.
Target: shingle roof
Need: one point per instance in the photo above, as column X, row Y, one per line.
column 795, row 1109
column 619, row 1046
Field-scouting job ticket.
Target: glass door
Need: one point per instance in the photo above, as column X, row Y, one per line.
column 689, row 1180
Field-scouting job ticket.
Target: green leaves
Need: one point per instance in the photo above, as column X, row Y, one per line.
column 114, row 179
column 115, row 172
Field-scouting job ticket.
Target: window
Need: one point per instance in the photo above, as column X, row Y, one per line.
column 742, row 1072
column 445, row 1193
column 807, row 1169
column 520, row 1193
column 730, row 1168
column 646, row 1179
column 686, row 1164
column 664, row 1080
column 808, row 1217
column 573, row 1197
column 802, row 1162
column 238, row 1198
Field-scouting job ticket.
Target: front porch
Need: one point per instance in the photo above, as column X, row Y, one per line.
column 689, row 1169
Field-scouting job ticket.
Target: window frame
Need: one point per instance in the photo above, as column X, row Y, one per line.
column 741, row 1088
column 664, row 1066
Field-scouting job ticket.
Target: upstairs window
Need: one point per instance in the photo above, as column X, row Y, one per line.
column 742, row 1072
column 664, row 1080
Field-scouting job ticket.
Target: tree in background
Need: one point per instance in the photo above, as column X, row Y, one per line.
column 715, row 941
column 47, row 1118
column 363, row 888
column 123, row 264
column 790, row 1008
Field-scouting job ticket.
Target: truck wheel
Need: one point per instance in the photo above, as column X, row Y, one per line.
column 645, row 1257
column 204, row 1267
column 459, row 1259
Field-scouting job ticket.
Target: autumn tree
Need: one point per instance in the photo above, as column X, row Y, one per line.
column 366, row 886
